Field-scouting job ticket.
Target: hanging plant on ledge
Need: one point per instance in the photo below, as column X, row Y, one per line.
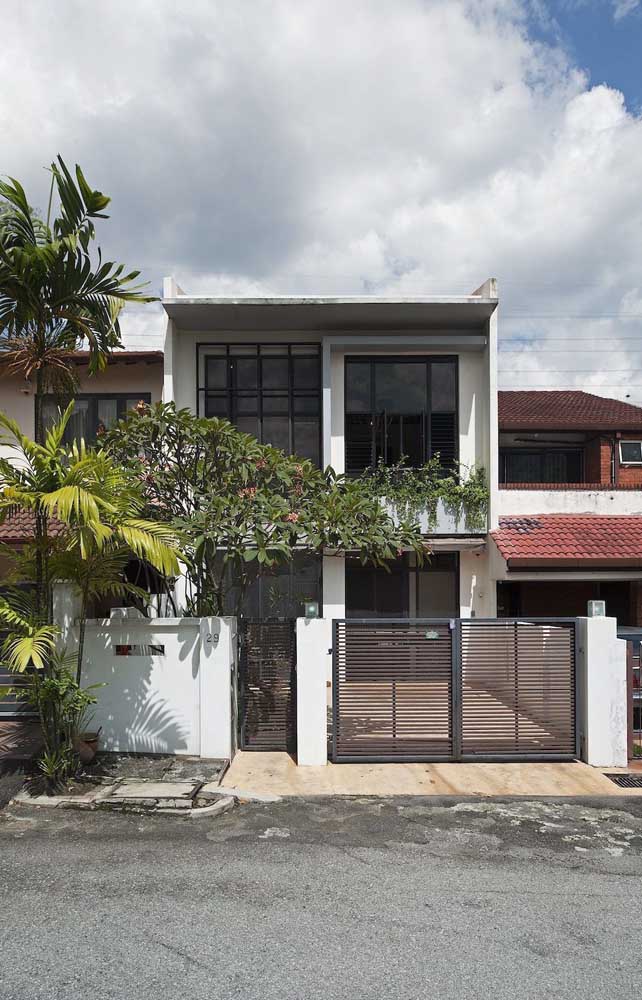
column 414, row 493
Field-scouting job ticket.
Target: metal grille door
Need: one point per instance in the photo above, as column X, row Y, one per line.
column 518, row 688
column 392, row 684
column 267, row 681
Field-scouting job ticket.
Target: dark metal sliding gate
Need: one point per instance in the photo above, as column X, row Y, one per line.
column 458, row 689
column 267, row 684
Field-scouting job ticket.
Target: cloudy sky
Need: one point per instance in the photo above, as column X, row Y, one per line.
column 357, row 146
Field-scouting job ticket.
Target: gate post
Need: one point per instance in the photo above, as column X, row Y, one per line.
column 602, row 693
column 314, row 642
column 215, row 678
column 456, row 683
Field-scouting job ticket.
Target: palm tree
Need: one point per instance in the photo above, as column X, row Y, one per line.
column 96, row 505
column 54, row 296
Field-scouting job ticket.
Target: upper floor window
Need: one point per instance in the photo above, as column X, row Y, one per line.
column 272, row 391
column 400, row 408
column 541, row 465
column 631, row 452
column 93, row 414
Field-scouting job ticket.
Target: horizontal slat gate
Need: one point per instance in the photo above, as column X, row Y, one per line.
column 392, row 690
column 460, row 690
column 518, row 688
column 267, row 675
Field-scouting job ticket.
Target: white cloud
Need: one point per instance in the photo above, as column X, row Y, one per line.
column 621, row 8
column 406, row 146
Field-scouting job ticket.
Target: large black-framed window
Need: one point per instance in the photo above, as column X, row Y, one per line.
column 404, row 590
column 272, row 391
column 281, row 591
column 400, row 407
column 93, row 413
column 541, row 465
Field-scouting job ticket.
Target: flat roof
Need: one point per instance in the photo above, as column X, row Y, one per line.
column 329, row 313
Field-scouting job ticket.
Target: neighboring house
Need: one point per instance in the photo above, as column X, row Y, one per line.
column 569, row 504
column 347, row 382
column 102, row 399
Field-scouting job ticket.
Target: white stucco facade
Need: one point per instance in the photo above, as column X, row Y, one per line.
column 464, row 327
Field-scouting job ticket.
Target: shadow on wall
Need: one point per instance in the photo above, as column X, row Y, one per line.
column 151, row 699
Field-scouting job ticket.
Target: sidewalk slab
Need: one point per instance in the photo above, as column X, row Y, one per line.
column 140, row 790
column 276, row 774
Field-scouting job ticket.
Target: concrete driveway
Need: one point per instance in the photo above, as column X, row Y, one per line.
column 400, row 898
column 277, row 774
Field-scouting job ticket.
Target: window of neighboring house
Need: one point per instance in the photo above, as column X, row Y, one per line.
column 631, row 452
column 400, row 407
column 92, row 414
column 272, row 391
column 532, row 465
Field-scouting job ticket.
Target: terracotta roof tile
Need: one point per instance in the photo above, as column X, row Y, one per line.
column 20, row 527
column 566, row 538
column 565, row 410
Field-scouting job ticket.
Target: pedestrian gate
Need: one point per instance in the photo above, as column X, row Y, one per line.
column 454, row 689
column 267, row 684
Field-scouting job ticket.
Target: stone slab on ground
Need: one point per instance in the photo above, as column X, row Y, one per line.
column 130, row 788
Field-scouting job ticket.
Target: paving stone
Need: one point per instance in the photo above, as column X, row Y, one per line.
column 132, row 789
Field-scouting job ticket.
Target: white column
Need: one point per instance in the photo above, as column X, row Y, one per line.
column 313, row 651
column 334, row 587
column 477, row 597
column 216, row 673
column 602, row 693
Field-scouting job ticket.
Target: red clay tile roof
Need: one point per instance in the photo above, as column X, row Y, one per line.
column 19, row 528
column 128, row 357
column 569, row 539
column 565, row 410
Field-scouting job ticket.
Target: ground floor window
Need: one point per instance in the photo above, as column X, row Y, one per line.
column 405, row 590
column 563, row 598
column 282, row 591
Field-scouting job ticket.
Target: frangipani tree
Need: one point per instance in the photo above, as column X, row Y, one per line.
column 237, row 504
column 56, row 292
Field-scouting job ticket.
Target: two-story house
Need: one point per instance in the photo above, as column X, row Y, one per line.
column 348, row 382
column 569, row 505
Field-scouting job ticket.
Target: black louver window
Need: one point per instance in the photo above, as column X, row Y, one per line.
column 400, row 408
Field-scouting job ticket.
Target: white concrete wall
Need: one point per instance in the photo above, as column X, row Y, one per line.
column 179, row 702
column 314, row 663
column 525, row 503
column 602, row 693
column 66, row 609
column 477, row 591
column 334, row 587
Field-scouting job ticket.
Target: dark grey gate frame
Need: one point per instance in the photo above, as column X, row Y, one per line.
column 241, row 682
column 456, row 693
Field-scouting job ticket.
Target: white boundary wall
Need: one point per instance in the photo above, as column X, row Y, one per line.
column 602, row 693
column 177, row 702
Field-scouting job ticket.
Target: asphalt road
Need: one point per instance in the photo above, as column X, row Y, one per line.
column 326, row 899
